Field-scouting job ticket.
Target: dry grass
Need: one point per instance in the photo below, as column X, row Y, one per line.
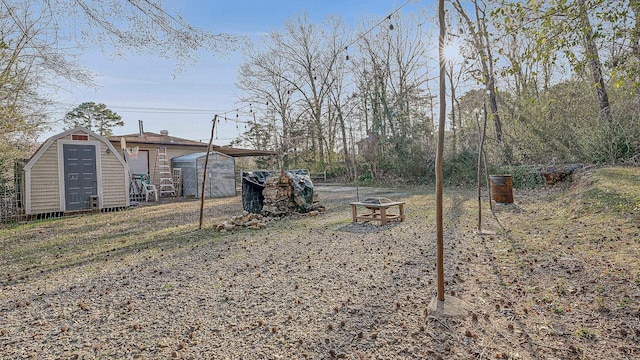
column 560, row 279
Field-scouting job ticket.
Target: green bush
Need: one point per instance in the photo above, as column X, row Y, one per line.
column 461, row 169
column 523, row 177
column 365, row 179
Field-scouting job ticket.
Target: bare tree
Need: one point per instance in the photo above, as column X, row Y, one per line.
column 295, row 73
column 124, row 26
column 262, row 78
column 344, row 105
column 476, row 26
column 392, row 83
column 39, row 39
column 312, row 52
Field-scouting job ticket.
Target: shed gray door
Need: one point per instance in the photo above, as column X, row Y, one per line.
column 80, row 179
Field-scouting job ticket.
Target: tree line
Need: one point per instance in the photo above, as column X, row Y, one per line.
column 556, row 79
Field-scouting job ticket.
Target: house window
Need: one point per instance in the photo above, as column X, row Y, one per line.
column 80, row 137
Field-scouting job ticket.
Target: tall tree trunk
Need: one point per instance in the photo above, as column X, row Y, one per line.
column 320, row 147
column 635, row 34
column 319, row 134
column 593, row 57
column 490, row 81
column 493, row 106
column 453, row 111
column 480, row 36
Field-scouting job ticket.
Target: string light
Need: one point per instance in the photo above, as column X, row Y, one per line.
column 379, row 23
column 250, row 105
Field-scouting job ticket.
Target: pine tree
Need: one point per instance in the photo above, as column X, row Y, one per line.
column 95, row 117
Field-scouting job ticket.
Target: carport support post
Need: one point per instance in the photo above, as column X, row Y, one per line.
column 204, row 171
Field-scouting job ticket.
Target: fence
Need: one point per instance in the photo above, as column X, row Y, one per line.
column 10, row 209
column 319, row 176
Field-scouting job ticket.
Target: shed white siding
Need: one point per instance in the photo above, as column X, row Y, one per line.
column 115, row 180
column 44, row 187
column 43, row 190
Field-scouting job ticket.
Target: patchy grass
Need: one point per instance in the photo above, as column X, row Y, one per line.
column 559, row 278
column 613, row 190
column 47, row 246
column 582, row 245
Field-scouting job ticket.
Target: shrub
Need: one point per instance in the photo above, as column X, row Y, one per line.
column 461, row 168
column 523, row 177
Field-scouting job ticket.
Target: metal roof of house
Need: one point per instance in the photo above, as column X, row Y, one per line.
column 151, row 138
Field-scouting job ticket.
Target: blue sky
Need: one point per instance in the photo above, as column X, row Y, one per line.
column 143, row 87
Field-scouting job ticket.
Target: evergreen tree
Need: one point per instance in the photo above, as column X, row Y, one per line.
column 95, row 117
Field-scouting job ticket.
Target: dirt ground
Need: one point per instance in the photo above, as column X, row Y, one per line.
column 558, row 279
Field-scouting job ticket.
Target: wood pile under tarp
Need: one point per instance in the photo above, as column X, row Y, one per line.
column 252, row 186
column 286, row 193
column 279, row 194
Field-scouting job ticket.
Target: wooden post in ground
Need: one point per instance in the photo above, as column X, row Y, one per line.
column 439, row 154
column 484, row 157
column 454, row 306
column 482, row 134
column 204, row 171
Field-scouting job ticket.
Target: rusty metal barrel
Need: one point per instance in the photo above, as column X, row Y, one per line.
column 501, row 188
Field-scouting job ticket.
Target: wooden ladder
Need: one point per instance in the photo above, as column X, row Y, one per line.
column 165, row 184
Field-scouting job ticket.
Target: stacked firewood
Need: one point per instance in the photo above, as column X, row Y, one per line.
column 246, row 220
column 286, row 193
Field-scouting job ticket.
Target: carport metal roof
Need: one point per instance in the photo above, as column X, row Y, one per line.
column 150, row 138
